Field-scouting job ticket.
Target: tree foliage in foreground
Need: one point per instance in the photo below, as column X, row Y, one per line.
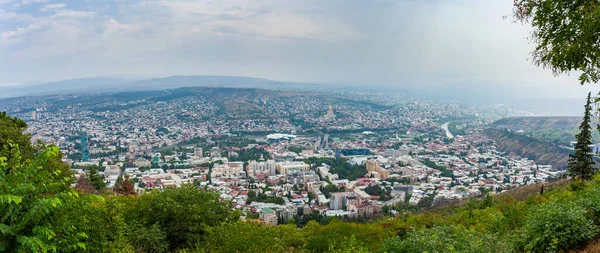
column 34, row 192
column 32, row 200
column 565, row 35
column 185, row 214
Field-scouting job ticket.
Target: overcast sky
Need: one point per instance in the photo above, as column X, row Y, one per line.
column 456, row 43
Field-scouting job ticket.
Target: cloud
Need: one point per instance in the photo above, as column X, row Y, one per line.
column 284, row 25
column 72, row 14
column 9, row 84
column 113, row 26
column 14, row 36
column 385, row 42
column 267, row 19
column 13, row 16
column 61, row 18
column 49, row 7
column 24, row 2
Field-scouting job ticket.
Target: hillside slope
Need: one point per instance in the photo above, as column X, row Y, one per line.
column 560, row 130
column 540, row 151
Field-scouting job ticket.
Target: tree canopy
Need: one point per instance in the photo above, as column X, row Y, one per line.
column 566, row 35
column 32, row 199
column 581, row 163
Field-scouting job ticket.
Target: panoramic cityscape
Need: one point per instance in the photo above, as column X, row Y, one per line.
column 342, row 154
column 299, row 126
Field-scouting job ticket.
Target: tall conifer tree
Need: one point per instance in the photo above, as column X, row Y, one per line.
column 581, row 163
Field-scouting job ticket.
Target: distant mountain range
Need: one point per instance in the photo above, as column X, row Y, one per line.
column 112, row 84
column 469, row 93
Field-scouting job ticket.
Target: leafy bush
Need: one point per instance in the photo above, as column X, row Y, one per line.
column 577, row 185
column 333, row 235
column 590, row 200
column 348, row 245
column 446, row 239
column 147, row 239
column 33, row 197
column 557, row 226
column 185, row 214
column 253, row 237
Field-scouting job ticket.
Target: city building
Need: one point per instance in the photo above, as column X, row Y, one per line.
column 198, row 152
column 290, row 167
column 269, row 216
column 226, row 170
column 255, row 168
column 375, row 170
column 85, row 153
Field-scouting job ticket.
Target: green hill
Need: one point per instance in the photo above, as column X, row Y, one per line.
column 542, row 152
column 559, row 130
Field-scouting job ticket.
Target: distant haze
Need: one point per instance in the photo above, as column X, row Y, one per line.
column 462, row 47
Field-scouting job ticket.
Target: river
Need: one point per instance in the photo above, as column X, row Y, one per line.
column 448, row 133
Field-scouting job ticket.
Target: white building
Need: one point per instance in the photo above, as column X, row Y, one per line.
column 112, row 170
column 225, row 170
column 255, row 167
column 289, row 167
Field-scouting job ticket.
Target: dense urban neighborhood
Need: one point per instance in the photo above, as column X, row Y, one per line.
column 282, row 157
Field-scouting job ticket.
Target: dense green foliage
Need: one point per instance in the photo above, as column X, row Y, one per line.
column 557, row 130
column 31, row 201
column 34, row 190
column 184, row 213
column 445, row 172
column 251, row 154
column 340, row 166
column 457, row 128
column 581, row 163
column 296, row 149
column 96, row 180
column 557, row 225
column 11, row 133
column 377, row 190
column 261, row 197
column 446, row 239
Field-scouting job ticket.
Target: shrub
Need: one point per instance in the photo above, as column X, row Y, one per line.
column 184, row 214
column 333, row 235
column 147, row 239
column 577, row 185
column 100, row 219
column 348, row 245
column 33, row 200
column 447, row 239
column 557, row 226
column 253, row 237
column 590, row 200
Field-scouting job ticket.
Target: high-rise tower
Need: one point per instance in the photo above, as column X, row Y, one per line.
column 85, row 153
